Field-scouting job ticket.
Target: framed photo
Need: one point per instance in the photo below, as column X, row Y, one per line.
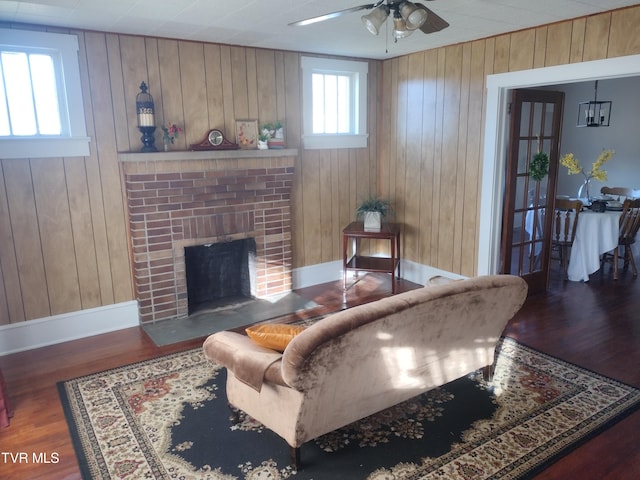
column 247, row 134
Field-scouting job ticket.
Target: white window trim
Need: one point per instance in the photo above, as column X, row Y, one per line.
column 74, row 141
column 358, row 139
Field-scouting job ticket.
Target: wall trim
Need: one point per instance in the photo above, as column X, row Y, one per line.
column 18, row 337
column 43, row 332
column 332, row 272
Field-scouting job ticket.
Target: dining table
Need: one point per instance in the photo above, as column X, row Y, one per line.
column 596, row 233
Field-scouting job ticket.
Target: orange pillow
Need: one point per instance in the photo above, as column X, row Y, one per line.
column 273, row 335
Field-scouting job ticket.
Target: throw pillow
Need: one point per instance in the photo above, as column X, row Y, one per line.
column 273, row 335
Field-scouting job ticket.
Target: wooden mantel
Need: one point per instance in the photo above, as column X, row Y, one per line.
column 204, row 155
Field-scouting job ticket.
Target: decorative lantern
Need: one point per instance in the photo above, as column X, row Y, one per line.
column 594, row 113
column 146, row 120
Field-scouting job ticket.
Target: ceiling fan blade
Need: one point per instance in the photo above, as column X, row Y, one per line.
column 338, row 13
column 434, row 23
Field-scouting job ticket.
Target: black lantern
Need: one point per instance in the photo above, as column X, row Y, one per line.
column 594, row 113
column 146, row 119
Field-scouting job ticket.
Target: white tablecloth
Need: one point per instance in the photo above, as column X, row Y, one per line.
column 597, row 233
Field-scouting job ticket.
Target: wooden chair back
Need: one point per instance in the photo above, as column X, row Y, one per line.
column 565, row 220
column 618, row 191
column 629, row 221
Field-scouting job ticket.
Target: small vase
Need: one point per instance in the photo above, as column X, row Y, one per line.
column 583, row 191
column 166, row 146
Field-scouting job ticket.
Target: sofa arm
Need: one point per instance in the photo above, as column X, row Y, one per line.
column 246, row 360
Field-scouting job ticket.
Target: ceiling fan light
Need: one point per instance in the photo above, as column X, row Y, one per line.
column 413, row 16
column 400, row 29
column 374, row 19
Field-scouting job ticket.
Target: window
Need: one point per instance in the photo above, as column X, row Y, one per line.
column 334, row 103
column 41, row 111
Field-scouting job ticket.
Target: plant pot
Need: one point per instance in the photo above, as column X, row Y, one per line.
column 263, row 145
column 276, row 143
column 372, row 221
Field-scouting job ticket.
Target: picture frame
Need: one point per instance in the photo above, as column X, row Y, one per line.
column 247, row 134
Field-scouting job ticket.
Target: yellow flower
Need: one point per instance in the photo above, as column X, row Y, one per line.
column 573, row 166
column 571, row 163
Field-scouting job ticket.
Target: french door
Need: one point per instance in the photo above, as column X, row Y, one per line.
column 536, row 119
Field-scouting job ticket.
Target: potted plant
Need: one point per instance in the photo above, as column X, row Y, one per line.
column 276, row 139
column 263, row 140
column 372, row 210
column 278, row 129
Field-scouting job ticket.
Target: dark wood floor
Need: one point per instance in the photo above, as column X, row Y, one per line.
column 595, row 325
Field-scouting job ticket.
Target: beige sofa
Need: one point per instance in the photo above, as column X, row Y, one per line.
column 360, row 361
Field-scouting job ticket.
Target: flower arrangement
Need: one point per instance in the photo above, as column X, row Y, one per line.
column 170, row 132
column 573, row 166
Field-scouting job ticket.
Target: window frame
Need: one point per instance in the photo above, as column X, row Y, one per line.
column 73, row 140
column 358, row 73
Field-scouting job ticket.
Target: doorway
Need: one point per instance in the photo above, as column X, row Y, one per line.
column 535, row 128
column 496, row 139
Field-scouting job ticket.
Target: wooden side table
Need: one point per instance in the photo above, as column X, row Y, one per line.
column 5, row 408
column 354, row 231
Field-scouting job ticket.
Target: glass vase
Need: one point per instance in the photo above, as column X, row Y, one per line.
column 583, row 191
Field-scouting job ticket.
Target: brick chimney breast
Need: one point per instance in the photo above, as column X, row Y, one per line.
column 181, row 199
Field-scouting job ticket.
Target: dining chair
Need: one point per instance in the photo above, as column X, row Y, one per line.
column 629, row 225
column 618, row 191
column 565, row 221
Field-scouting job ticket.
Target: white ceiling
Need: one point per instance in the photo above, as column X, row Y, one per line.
column 264, row 23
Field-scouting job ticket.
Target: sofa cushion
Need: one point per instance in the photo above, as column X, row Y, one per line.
column 273, row 335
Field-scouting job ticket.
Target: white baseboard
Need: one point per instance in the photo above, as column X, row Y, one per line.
column 314, row 274
column 18, row 337
column 332, row 271
column 32, row 334
column 419, row 273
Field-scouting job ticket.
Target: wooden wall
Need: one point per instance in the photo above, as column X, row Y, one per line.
column 431, row 139
column 64, row 242
column 63, row 229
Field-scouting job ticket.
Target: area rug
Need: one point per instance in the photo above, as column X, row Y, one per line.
column 168, row 418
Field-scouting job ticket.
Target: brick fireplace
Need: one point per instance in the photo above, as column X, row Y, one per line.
column 182, row 199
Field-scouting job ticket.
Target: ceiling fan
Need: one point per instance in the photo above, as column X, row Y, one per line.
column 407, row 17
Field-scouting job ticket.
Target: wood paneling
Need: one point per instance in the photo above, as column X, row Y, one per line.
column 441, row 210
column 596, row 29
column 64, row 225
column 63, row 232
column 623, row 33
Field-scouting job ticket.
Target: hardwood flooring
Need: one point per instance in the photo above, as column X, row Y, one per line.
column 595, row 325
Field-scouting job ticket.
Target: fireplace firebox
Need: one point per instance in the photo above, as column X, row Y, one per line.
column 220, row 274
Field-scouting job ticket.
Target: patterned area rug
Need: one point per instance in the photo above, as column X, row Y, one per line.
column 168, row 418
